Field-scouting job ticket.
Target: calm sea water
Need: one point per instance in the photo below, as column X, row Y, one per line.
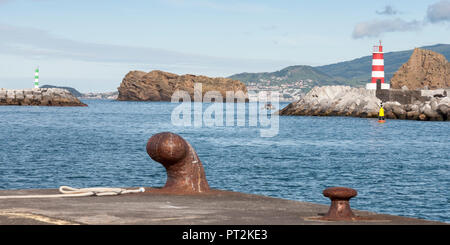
column 400, row 167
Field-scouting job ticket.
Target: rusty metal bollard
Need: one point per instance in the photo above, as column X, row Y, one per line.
column 185, row 173
column 340, row 205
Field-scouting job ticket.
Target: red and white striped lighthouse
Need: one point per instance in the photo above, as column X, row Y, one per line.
column 377, row 68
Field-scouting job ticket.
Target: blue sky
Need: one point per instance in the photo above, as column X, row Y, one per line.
column 91, row 45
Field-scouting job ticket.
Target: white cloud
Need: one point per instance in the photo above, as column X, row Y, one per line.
column 439, row 12
column 377, row 27
column 34, row 43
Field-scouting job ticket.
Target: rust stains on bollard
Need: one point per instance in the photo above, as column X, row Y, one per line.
column 340, row 205
column 185, row 173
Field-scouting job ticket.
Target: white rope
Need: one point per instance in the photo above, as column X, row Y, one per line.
column 68, row 191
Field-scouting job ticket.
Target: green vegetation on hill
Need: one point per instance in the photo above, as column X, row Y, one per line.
column 355, row 72
column 289, row 74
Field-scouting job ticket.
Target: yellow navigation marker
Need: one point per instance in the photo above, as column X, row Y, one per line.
column 381, row 114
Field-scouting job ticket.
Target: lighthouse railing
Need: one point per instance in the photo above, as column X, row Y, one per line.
column 377, row 49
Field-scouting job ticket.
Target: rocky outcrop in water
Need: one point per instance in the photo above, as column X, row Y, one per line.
column 159, row 85
column 39, row 96
column 359, row 102
column 424, row 68
column 335, row 101
column 73, row 91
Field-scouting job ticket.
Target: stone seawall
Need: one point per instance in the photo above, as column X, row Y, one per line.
column 399, row 95
column 39, row 97
column 405, row 96
column 359, row 102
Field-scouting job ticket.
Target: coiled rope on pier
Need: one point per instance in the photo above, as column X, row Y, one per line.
column 68, row 191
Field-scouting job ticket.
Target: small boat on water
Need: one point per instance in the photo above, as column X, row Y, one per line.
column 269, row 106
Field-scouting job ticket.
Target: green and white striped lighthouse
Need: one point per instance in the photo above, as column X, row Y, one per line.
column 36, row 78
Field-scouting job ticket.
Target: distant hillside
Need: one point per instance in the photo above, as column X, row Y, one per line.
column 358, row 71
column 288, row 74
column 355, row 72
column 73, row 91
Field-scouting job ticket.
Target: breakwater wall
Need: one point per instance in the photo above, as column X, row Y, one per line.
column 39, row 97
column 416, row 104
column 405, row 96
column 425, row 105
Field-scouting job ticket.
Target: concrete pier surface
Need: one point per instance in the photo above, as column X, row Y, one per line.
column 158, row 208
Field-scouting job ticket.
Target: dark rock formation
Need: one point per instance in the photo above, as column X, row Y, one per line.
column 73, row 91
column 39, row 96
column 424, row 68
column 159, row 85
column 91, row 95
